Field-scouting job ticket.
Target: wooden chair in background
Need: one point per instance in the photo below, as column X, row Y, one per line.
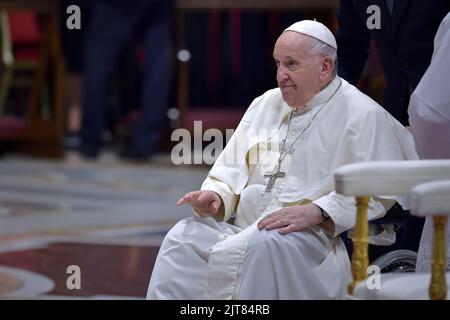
column 32, row 62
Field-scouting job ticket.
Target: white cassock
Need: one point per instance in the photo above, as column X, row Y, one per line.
column 429, row 116
column 202, row 258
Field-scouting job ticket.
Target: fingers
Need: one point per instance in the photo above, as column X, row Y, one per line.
column 285, row 226
column 212, row 209
column 187, row 198
column 277, row 224
column 203, row 201
column 285, row 219
column 269, row 219
column 206, row 201
column 214, row 206
column 288, row 229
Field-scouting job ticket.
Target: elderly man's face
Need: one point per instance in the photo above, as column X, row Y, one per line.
column 298, row 71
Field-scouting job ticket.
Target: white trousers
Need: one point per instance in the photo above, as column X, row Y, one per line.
column 301, row 265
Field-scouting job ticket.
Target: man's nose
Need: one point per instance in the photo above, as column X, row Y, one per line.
column 281, row 74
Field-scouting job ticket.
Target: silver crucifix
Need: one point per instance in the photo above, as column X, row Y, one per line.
column 272, row 177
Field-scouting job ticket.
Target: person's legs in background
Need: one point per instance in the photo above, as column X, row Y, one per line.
column 157, row 41
column 74, row 98
column 72, row 45
column 110, row 29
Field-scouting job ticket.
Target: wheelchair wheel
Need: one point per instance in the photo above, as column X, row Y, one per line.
column 397, row 261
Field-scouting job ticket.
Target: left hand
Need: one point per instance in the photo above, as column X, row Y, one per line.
column 291, row 219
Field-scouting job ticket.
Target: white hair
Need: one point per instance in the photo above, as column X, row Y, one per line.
column 321, row 48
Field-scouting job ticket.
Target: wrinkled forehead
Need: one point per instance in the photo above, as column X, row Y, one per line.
column 295, row 42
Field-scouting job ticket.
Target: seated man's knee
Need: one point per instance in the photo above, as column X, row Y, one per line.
column 264, row 240
column 177, row 230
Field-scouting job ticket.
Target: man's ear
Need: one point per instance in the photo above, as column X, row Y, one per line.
column 327, row 66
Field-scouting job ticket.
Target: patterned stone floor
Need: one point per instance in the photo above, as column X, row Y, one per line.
column 86, row 230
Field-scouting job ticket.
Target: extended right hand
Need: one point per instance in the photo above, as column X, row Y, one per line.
column 205, row 202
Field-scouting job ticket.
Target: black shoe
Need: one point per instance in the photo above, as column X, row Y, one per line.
column 72, row 140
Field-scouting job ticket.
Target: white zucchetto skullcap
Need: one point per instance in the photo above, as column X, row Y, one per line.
column 314, row 29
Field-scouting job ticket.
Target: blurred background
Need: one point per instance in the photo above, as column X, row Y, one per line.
column 90, row 93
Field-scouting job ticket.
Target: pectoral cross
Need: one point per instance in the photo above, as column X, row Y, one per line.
column 272, row 177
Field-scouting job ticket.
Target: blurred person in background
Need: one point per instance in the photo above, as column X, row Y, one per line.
column 73, row 43
column 113, row 23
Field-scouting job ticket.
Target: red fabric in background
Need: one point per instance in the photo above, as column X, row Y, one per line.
column 25, row 34
column 11, row 127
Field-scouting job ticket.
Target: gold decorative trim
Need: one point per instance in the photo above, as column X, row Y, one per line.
column 438, row 284
column 360, row 258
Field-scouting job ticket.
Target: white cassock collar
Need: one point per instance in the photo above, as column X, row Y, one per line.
column 323, row 96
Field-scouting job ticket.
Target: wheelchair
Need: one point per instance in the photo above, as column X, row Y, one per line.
column 402, row 255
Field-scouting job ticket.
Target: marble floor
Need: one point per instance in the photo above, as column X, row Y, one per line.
column 75, row 229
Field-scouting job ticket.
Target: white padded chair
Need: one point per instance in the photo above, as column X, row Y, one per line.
column 378, row 178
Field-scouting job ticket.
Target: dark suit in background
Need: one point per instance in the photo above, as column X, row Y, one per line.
column 405, row 46
column 404, row 43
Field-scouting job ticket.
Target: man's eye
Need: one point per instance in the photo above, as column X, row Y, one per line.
column 290, row 64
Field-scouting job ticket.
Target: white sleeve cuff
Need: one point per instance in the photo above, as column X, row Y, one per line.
column 223, row 190
column 342, row 210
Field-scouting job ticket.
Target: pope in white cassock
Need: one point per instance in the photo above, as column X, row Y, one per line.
column 267, row 219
